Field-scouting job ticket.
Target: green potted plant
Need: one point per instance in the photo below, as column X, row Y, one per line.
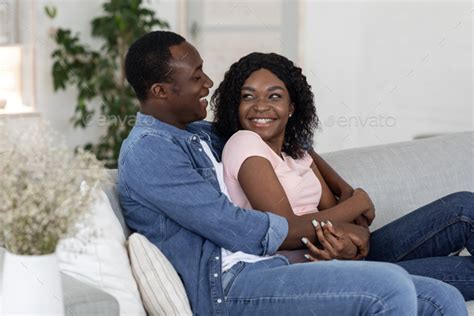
column 100, row 74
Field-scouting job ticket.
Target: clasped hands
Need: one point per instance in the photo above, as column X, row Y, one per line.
column 339, row 241
column 344, row 240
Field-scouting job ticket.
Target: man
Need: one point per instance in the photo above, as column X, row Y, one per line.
column 170, row 191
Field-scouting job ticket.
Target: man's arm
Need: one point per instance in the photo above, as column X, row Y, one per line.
column 158, row 174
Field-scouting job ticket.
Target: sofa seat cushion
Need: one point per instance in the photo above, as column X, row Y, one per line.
column 83, row 299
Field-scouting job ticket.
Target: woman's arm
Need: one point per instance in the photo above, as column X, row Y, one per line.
column 334, row 186
column 265, row 192
column 328, row 199
column 338, row 186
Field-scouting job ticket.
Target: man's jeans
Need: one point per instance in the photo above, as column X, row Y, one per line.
column 273, row 287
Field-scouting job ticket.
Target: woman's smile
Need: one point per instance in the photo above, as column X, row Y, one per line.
column 262, row 121
column 265, row 106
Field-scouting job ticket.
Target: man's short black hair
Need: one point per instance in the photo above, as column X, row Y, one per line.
column 147, row 61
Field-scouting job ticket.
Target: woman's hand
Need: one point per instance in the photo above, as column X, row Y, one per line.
column 369, row 214
column 361, row 220
column 336, row 244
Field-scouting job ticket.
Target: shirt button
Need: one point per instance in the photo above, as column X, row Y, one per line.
column 217, row 258
column 194, row 137
column 216, row 275
column 200, row 149
column 219, row 301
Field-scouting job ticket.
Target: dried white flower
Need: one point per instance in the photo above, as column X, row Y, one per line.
column 41, row 199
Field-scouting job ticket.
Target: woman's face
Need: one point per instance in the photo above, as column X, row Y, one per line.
column 265, row 106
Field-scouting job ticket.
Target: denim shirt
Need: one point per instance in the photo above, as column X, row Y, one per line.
column 169, row 192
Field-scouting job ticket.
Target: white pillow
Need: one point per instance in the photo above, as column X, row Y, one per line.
column 102, row 260
column 2, row 252
column 161, row 288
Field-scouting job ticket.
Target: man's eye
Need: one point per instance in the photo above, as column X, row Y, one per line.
column 197, row 78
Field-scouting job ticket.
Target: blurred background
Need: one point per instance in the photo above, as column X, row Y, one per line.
column 381, row 71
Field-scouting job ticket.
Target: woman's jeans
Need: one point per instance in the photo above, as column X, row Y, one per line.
column 420, row 242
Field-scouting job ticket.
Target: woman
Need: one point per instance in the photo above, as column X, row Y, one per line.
column 265, row 107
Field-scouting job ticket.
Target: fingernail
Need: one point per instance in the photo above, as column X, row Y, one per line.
column 329, row 223
column 322, row 224
column 304, row 240
column 315, row 223
column 307, row 256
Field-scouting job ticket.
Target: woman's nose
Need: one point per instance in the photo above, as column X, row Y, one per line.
column 261, row 106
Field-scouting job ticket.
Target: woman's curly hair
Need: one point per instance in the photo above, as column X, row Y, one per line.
column 226, row 100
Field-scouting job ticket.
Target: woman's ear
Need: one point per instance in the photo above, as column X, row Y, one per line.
column 158, row 91
column 292, row 109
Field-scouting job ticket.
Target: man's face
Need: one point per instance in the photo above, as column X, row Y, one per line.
column 189, row 85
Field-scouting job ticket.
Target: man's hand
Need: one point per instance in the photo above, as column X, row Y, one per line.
column 369, row 214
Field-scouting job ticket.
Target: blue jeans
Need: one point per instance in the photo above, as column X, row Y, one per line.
column 273, row 287
column 421, row 241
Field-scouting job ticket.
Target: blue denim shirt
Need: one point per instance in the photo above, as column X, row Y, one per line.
column 169, row 192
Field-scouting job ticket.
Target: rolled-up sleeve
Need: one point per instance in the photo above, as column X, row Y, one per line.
column 276, row 234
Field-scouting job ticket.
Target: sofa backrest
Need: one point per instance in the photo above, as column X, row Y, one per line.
column 402, row 177
column 399, row 177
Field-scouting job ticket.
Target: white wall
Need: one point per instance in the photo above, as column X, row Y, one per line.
column 386, row 71
column 382, row 71
column 58, row 107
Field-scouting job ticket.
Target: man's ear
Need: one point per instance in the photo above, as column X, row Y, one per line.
column 159, row 91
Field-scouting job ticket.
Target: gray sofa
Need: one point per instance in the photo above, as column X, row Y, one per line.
column 399, row 177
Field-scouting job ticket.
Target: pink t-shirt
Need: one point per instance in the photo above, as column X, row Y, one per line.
column 301, row 185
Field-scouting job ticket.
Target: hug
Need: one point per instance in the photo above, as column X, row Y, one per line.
column 254, row 221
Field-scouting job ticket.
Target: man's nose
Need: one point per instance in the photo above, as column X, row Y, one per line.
column 208, row 84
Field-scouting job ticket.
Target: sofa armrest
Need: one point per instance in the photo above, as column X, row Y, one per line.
column 84, row 299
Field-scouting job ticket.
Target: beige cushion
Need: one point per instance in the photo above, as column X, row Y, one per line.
column 160, row 286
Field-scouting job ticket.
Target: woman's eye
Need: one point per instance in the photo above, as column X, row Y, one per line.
column 197, row 78
column 247, row 97
column 275, row 96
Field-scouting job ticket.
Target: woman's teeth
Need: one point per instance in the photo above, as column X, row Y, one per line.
column 262, row 120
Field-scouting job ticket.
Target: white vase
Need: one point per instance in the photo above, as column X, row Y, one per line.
column 31, row 285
